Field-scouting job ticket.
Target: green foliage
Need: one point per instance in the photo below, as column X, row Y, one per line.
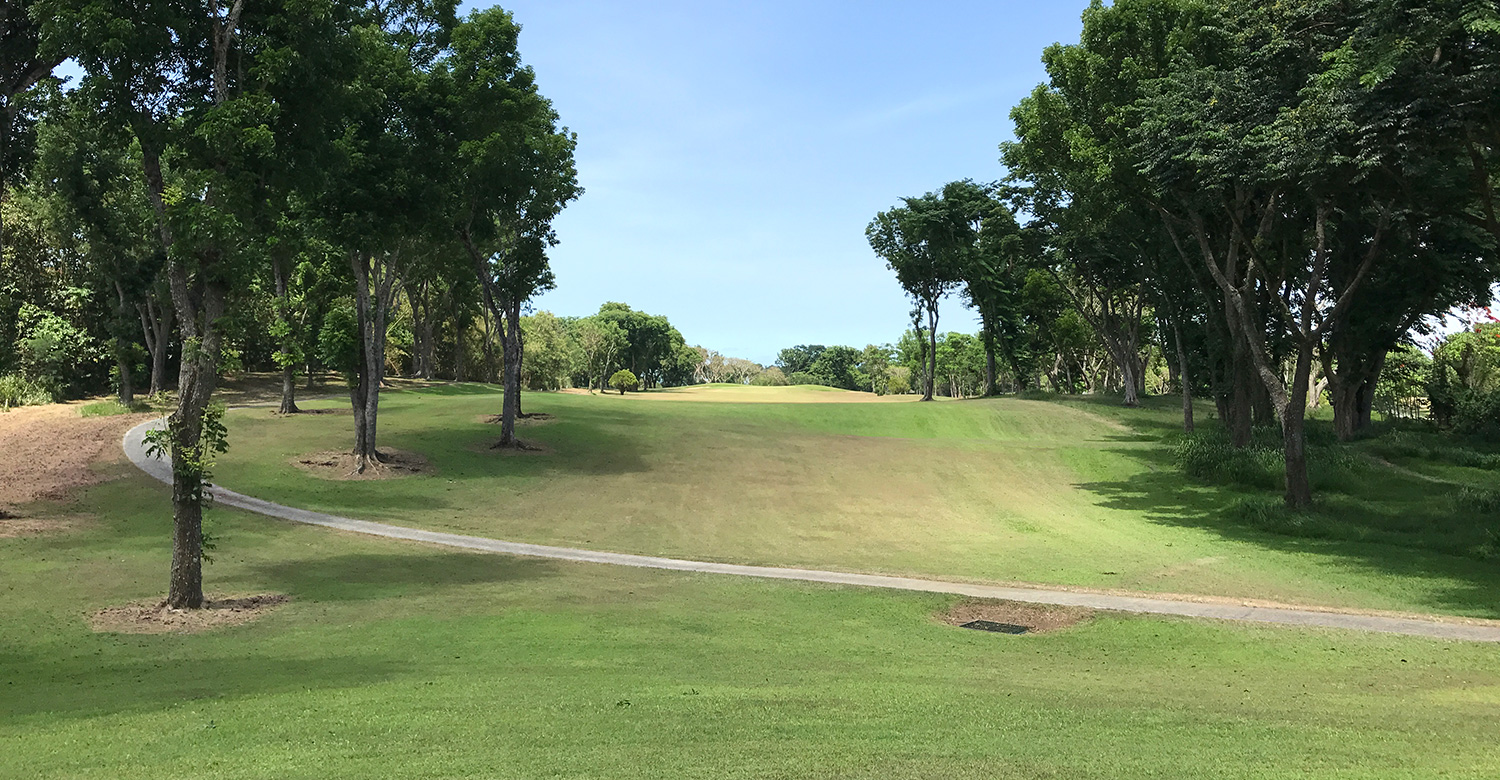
column 600, row 343
column 1433, row 447
column 623, row 380
column 17, row 390
column 898, row 381
column 56, row 354
column 837, row 366
column 797, row 359
column 195, row 462
column 338, row 340
column 803, row 378
column 550, row 352
column 771, row 377
column 652, row 345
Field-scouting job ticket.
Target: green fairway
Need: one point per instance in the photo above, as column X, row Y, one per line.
column 403, row 660
column 1005, row 490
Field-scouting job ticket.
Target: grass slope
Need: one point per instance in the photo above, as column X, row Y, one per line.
column 403, row 660
column 995, row 490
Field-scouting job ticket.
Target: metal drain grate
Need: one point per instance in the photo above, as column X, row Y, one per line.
column 999, row 628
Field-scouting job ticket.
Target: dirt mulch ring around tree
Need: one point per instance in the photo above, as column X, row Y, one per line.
column 535, row 418
column 521, row 447
column 153, row 617
column 339, row 465
column 1036, row 618
column 314, row 412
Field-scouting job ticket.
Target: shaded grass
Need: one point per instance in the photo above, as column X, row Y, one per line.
column 408, row 661
column 113, row 407
column 1071, row 493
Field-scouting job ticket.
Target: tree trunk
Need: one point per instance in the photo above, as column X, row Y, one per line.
column 374, row 286
column 1293, row 434
column 510, row 405
column 156, row 328
column 1184, row 377
column 122, row 363
column 1351, row 392
column 283, row 311
column 989, row 366
column 196, row 382
column 930, row 380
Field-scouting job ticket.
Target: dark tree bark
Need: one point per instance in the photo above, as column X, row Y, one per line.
column 929, row 380
column 1184, row 377
column 122, row 364
column 510, row 342
column 989, row 365
column 288, row 372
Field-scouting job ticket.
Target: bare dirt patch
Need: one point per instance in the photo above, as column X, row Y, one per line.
column 13, row 525
column 154, row 617
column 521, row 447
column 1037, row 618
column 535, row 418
column 313, row 412
column 339, row 465
column 48, row 450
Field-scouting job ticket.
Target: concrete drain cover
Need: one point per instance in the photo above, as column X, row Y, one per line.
column 999, row 628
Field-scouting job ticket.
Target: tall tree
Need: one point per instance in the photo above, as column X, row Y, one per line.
column 196, row 82
column 514, row 173
column 926, row 241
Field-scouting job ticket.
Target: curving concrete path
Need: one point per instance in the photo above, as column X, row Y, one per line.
column 133, row 444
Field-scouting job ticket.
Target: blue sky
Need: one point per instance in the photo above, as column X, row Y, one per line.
column 732, row 153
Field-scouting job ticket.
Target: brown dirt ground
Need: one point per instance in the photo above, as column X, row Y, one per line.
column 1037, row 618
column 48, row 451
column 153, row 617
column 339, row 465
column 535, row 418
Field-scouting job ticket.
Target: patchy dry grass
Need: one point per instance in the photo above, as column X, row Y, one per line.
column 1000, row 490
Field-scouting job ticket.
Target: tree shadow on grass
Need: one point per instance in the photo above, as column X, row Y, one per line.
column 1162, row 494
column 135, row 679
column 371, row 576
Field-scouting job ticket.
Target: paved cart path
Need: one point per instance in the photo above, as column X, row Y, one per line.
column 134, row 444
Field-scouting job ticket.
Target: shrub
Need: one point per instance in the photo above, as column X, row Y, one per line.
column 16, row 390
column 56, row 355
column 803, row 378
column 1478, row 501
column 1210, row 456
column 1478, row 414
column 623, row 380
